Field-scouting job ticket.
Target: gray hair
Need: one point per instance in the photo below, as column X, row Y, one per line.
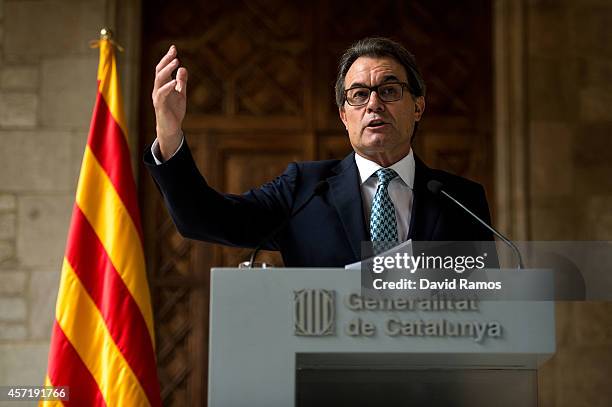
column 379, row 47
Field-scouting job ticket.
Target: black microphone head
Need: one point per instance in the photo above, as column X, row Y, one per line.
column 435, row 186
column 321, row 187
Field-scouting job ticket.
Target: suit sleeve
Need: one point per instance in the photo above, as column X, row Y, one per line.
column 199, row 212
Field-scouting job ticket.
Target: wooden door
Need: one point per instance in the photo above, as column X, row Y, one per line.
column 260, row 95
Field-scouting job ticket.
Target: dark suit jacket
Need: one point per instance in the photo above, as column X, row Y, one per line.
column 328, row 232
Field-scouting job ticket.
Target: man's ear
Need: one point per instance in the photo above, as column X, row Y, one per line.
column 419, row 108
column 342, row 114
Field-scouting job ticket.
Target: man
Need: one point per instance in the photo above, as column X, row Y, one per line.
column 323, row 210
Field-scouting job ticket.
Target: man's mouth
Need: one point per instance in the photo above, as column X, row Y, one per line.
column 376, row 124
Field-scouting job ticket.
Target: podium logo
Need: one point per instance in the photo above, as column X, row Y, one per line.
column 314, row 312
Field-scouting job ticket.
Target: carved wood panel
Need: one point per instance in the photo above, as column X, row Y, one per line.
column 260, row 95
column 245, row 160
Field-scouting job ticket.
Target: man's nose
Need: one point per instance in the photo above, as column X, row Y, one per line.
column 375, row 104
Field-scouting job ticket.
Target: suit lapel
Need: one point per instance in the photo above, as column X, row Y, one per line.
column 425, row 206
column 345, row 195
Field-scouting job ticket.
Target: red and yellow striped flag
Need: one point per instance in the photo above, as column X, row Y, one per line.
column 102, row 344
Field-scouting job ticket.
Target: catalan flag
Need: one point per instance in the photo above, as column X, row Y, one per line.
column 102, row 344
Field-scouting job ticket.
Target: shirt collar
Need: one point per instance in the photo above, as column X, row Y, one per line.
column 404, row 168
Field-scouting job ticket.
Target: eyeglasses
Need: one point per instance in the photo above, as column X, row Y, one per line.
column 387, row 92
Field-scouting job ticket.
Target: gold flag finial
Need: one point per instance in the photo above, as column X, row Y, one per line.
column 106, row 34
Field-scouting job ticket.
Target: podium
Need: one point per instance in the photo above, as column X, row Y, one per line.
column 295, row 337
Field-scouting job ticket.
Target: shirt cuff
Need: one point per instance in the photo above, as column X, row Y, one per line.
column 157, row 154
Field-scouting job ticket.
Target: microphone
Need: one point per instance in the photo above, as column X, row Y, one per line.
column 320, row 188
column 435, row 187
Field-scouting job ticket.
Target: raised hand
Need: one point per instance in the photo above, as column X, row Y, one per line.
column 170, row 102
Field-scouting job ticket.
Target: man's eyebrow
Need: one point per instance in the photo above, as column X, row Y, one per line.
column 390, row 78
column 387, row 78
column 357, row 85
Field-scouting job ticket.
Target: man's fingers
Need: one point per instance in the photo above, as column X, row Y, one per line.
column 182, row 74
column 170, row 55
column 181, row 80
column 164, row 91
column 165, row 75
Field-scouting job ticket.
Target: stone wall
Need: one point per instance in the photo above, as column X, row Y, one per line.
column 47, row 92
column 569, row 118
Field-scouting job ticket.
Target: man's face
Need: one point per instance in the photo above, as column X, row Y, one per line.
column 388, row 142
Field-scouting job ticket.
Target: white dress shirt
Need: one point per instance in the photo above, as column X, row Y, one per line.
column 400, row 190
column 157, row 154
column 400, row 187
